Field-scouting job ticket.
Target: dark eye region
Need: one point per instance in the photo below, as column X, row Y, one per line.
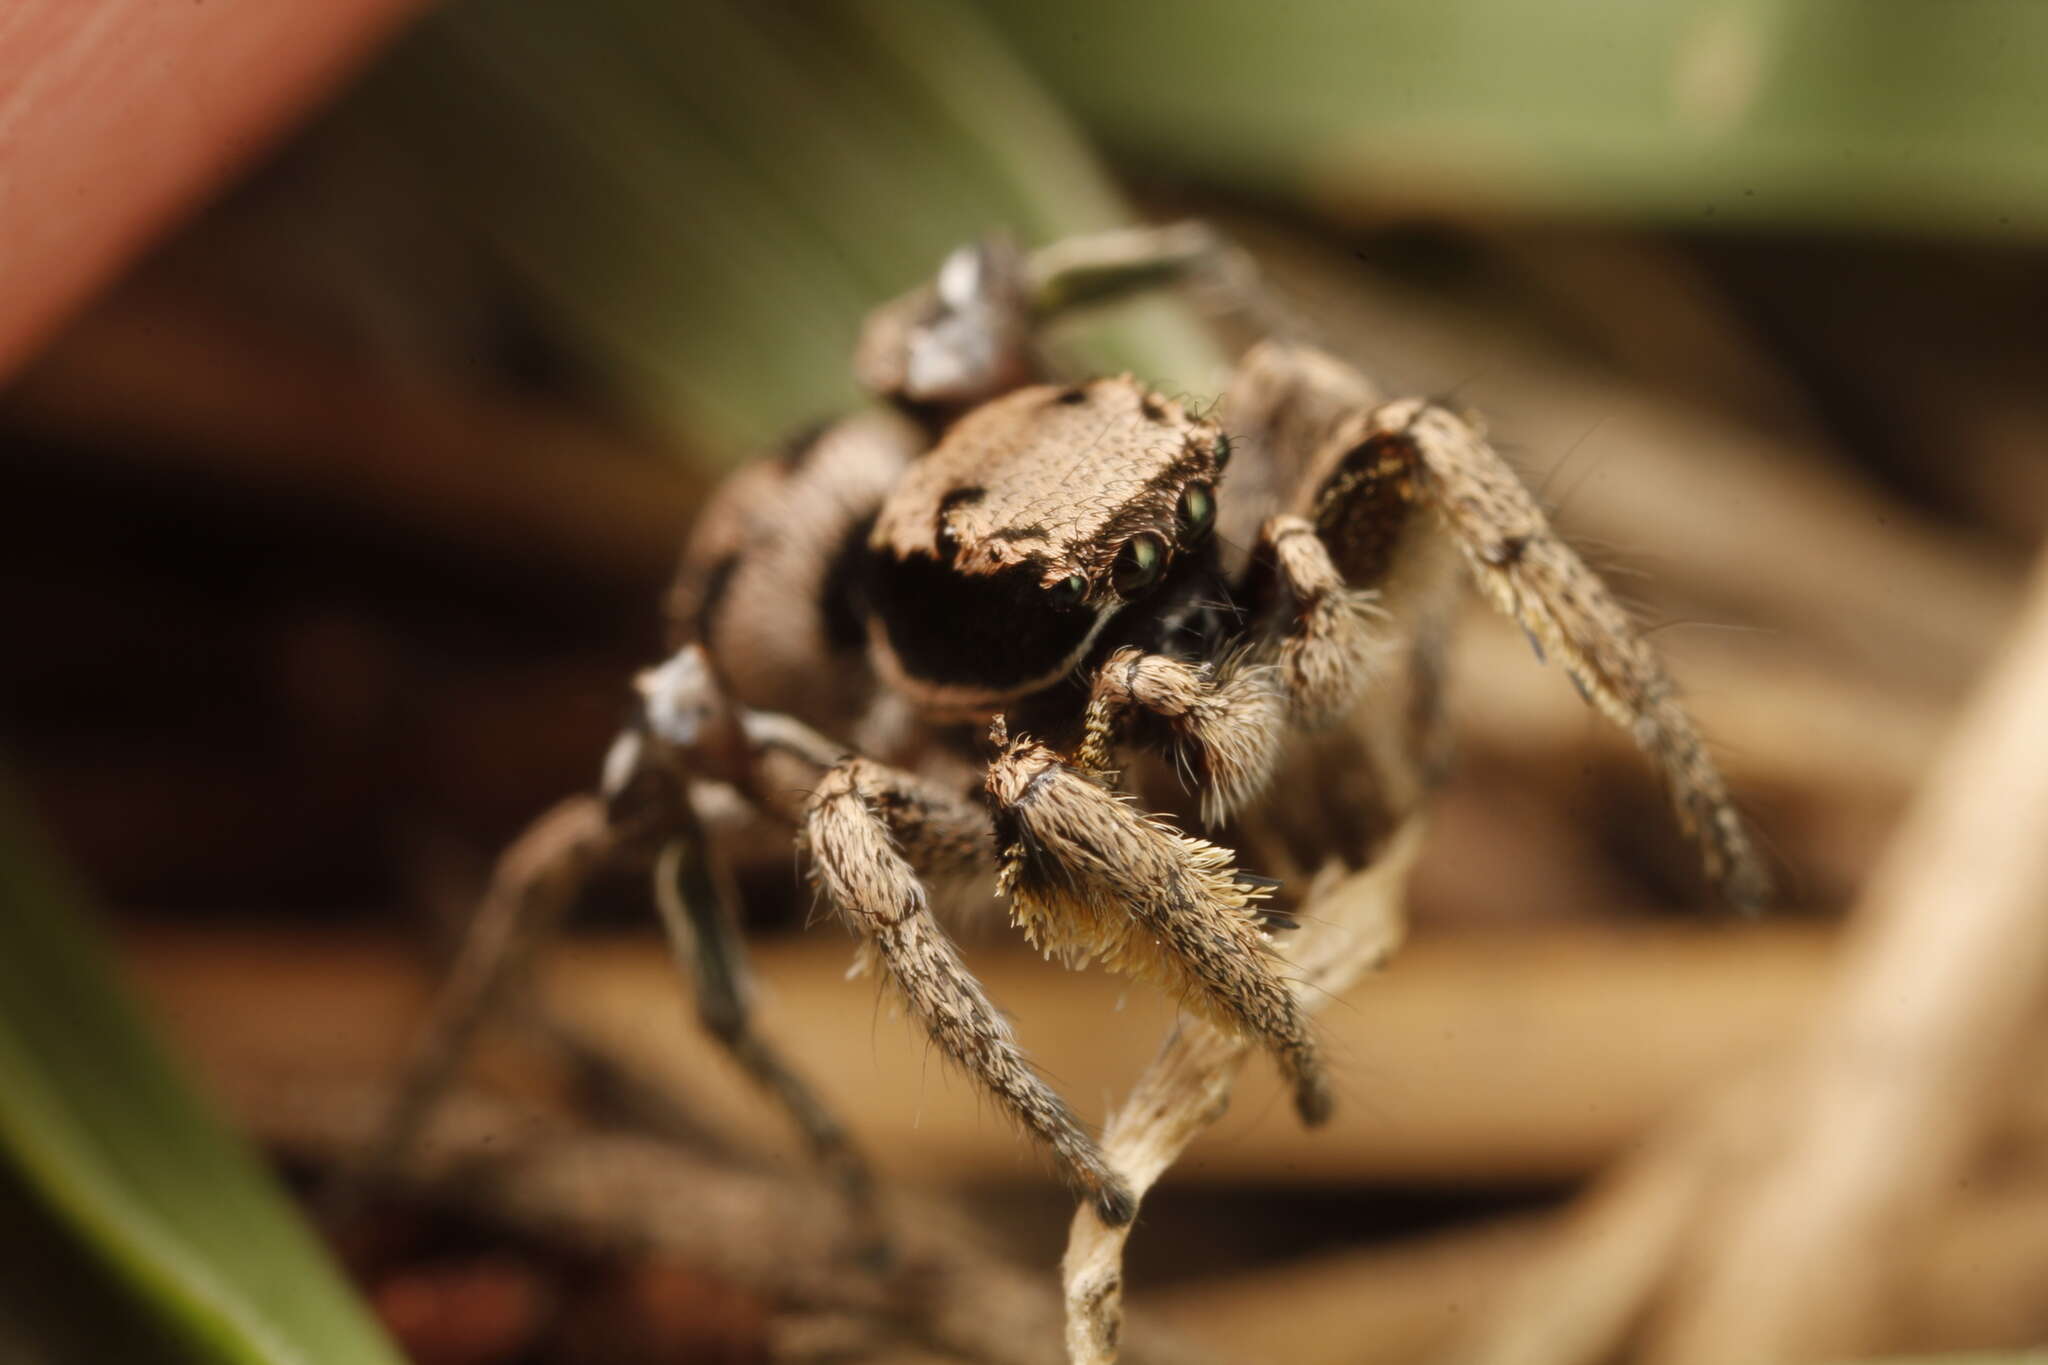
column 1138, row 565
column 993, row 631
column 1143, row 559
column 1197, row 512
column 1066, row 594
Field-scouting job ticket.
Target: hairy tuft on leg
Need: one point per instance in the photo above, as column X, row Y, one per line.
column 1332, row 642
column 1092, row 877
column 1225, row 723
column 857, row 862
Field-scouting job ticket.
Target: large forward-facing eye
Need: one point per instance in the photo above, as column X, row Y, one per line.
column 1066, row 594
column 1138, row 564
column 1197, row 512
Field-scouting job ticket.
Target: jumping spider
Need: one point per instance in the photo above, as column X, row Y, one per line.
column 1114, row 650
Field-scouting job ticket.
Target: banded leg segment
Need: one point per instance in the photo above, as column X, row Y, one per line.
column 1328, row 639
column 1414, row 452
column 1091, row 876
column 693, row 895
column 1223, row 723
column 863, row 819
column 690, row 731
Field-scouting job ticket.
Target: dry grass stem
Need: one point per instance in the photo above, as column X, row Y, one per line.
column 1349, row 929
column 1537, row 1082
column 782, row 1234
column 534, row 885
column 1785, row 1218
column 1556, row 1288
column 1890, row 1105
column 1579, row 1300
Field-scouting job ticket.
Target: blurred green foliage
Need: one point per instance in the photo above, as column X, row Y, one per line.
column 707, row 198
column 133, row 1227
column 710, row 197
column 1831, row 114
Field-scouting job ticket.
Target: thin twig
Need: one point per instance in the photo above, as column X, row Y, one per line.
column 537, row 879
column 1779, row 1219
column 1353, row 928
column 1943, row 976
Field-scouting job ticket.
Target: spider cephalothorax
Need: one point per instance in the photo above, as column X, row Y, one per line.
column 1042, row 523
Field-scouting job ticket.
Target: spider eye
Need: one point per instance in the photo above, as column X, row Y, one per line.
column 1066, row 594
column 948, row 543
column 1197, row 512
column 1222, row 451
column 1138, row 565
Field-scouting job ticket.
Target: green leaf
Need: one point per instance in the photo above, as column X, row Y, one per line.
column 709, row 198
column 131, row 1219
column 1818, row 113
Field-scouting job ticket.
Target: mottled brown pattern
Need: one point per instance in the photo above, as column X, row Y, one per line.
column 1283, row 402
column 1064, row 483
column 1361, row 505
column 759, row 583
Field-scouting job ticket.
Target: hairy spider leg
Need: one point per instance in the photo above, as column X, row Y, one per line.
column 865, row 825
column 1415, row 453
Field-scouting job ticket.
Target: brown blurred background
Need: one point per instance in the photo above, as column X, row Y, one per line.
column 336, row 528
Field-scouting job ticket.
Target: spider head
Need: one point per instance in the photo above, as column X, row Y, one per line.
column 1002, row 555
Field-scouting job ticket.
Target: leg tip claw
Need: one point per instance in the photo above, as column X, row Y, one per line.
column 1313, row 1101
column 1114, row 1202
